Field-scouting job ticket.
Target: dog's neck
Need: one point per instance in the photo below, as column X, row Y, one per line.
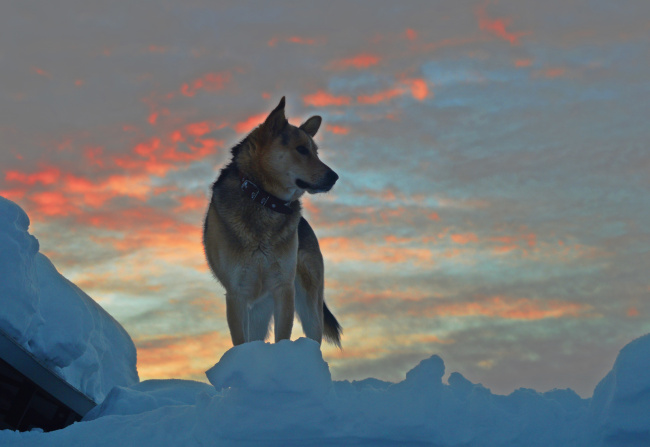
column 264, row 198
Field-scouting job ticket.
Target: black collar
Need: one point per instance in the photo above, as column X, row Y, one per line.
column 257, row 194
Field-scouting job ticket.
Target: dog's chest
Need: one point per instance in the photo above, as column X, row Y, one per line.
column 262, row 270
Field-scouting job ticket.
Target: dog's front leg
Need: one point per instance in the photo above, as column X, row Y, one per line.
column 235, row 312
column 283, row 311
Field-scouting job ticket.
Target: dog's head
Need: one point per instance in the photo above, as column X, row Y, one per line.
column 286, row 157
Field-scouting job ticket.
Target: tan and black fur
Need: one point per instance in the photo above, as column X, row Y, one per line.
column 270, row 263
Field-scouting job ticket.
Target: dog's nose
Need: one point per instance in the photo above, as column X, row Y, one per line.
column 331, row 178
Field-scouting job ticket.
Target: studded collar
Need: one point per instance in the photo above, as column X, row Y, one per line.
column 257, row 194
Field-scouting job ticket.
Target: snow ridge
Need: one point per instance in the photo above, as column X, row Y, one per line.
column 54, row 319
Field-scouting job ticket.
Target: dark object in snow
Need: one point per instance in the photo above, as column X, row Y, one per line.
column 33, row 396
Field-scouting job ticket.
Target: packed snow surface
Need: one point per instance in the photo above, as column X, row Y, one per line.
column 282, row 394
column 54, row 319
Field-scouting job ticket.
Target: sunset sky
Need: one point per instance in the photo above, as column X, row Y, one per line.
column 493, row 205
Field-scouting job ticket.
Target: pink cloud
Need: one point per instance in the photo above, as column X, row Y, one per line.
column 46, row 176
column 510, row 309
column 322, row 99
column 497, row 26
column 210, row 82
column 359, row 61
column 380, row 96
column 250, row 123
column 295, row 39
column 411, row 34
column 418, row 87
column 339, row 130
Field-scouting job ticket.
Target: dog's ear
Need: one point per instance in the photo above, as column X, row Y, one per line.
column 312, row 125
column 276, row 121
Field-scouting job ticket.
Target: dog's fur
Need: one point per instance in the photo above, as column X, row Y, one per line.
column 270, row 263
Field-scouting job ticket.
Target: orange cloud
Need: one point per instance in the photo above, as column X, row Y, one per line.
column 378, row 97
column 359, row 61
column 74, row 192
column 509, row 308
column 520, row 63
column 210, row 82
column 464, row 238
column 52, row 203
column 93, row 156
column 302, row 40
column 41, row 72
column 550, row 73
column 159, row 155
column 510, row 243
column 155, row 234
column 295, row 39
column 339, row 130
column 341, row 249
column 419, row 88
column 47, row 176
column 322, row 99
column 250, row 123
column 191, row 203
column 180, row 357
column 81, row 190
column 411, row 34
column 13, row 194
column 198, row 129
column 497, row 26
column 122, row 280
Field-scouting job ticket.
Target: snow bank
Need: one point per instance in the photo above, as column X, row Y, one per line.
column 54, row 319
column 621, row 401
column 282, row 394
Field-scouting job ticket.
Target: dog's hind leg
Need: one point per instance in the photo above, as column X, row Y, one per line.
column 309, row 283
column 309, row 307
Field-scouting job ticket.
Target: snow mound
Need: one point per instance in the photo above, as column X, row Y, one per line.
column 621, row 401
column 149, row 395
column 54, row 319
column 260, row 367
column 282, row 395
column 19, row 316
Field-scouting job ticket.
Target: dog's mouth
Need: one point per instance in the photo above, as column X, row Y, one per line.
column 323, row 186
column 302, row 184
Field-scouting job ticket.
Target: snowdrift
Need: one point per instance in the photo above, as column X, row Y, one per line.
column 282, row 394
column 54, row 319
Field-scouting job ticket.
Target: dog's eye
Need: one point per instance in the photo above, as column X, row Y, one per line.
column 302, row 150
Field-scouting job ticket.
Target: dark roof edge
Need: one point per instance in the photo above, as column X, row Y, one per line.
column 32, row 368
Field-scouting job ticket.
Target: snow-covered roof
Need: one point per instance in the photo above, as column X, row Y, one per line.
column 55, row 321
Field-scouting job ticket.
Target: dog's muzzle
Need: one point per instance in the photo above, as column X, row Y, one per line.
column 323, row 186
column 330, row 179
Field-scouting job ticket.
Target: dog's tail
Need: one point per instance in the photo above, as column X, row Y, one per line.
column 332, row 330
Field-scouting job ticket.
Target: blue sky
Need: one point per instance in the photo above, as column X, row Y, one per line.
column 493, row 203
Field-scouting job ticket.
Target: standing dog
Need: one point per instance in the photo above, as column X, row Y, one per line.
column 256, row 242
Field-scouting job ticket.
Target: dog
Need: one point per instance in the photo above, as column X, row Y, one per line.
column 256, row 242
